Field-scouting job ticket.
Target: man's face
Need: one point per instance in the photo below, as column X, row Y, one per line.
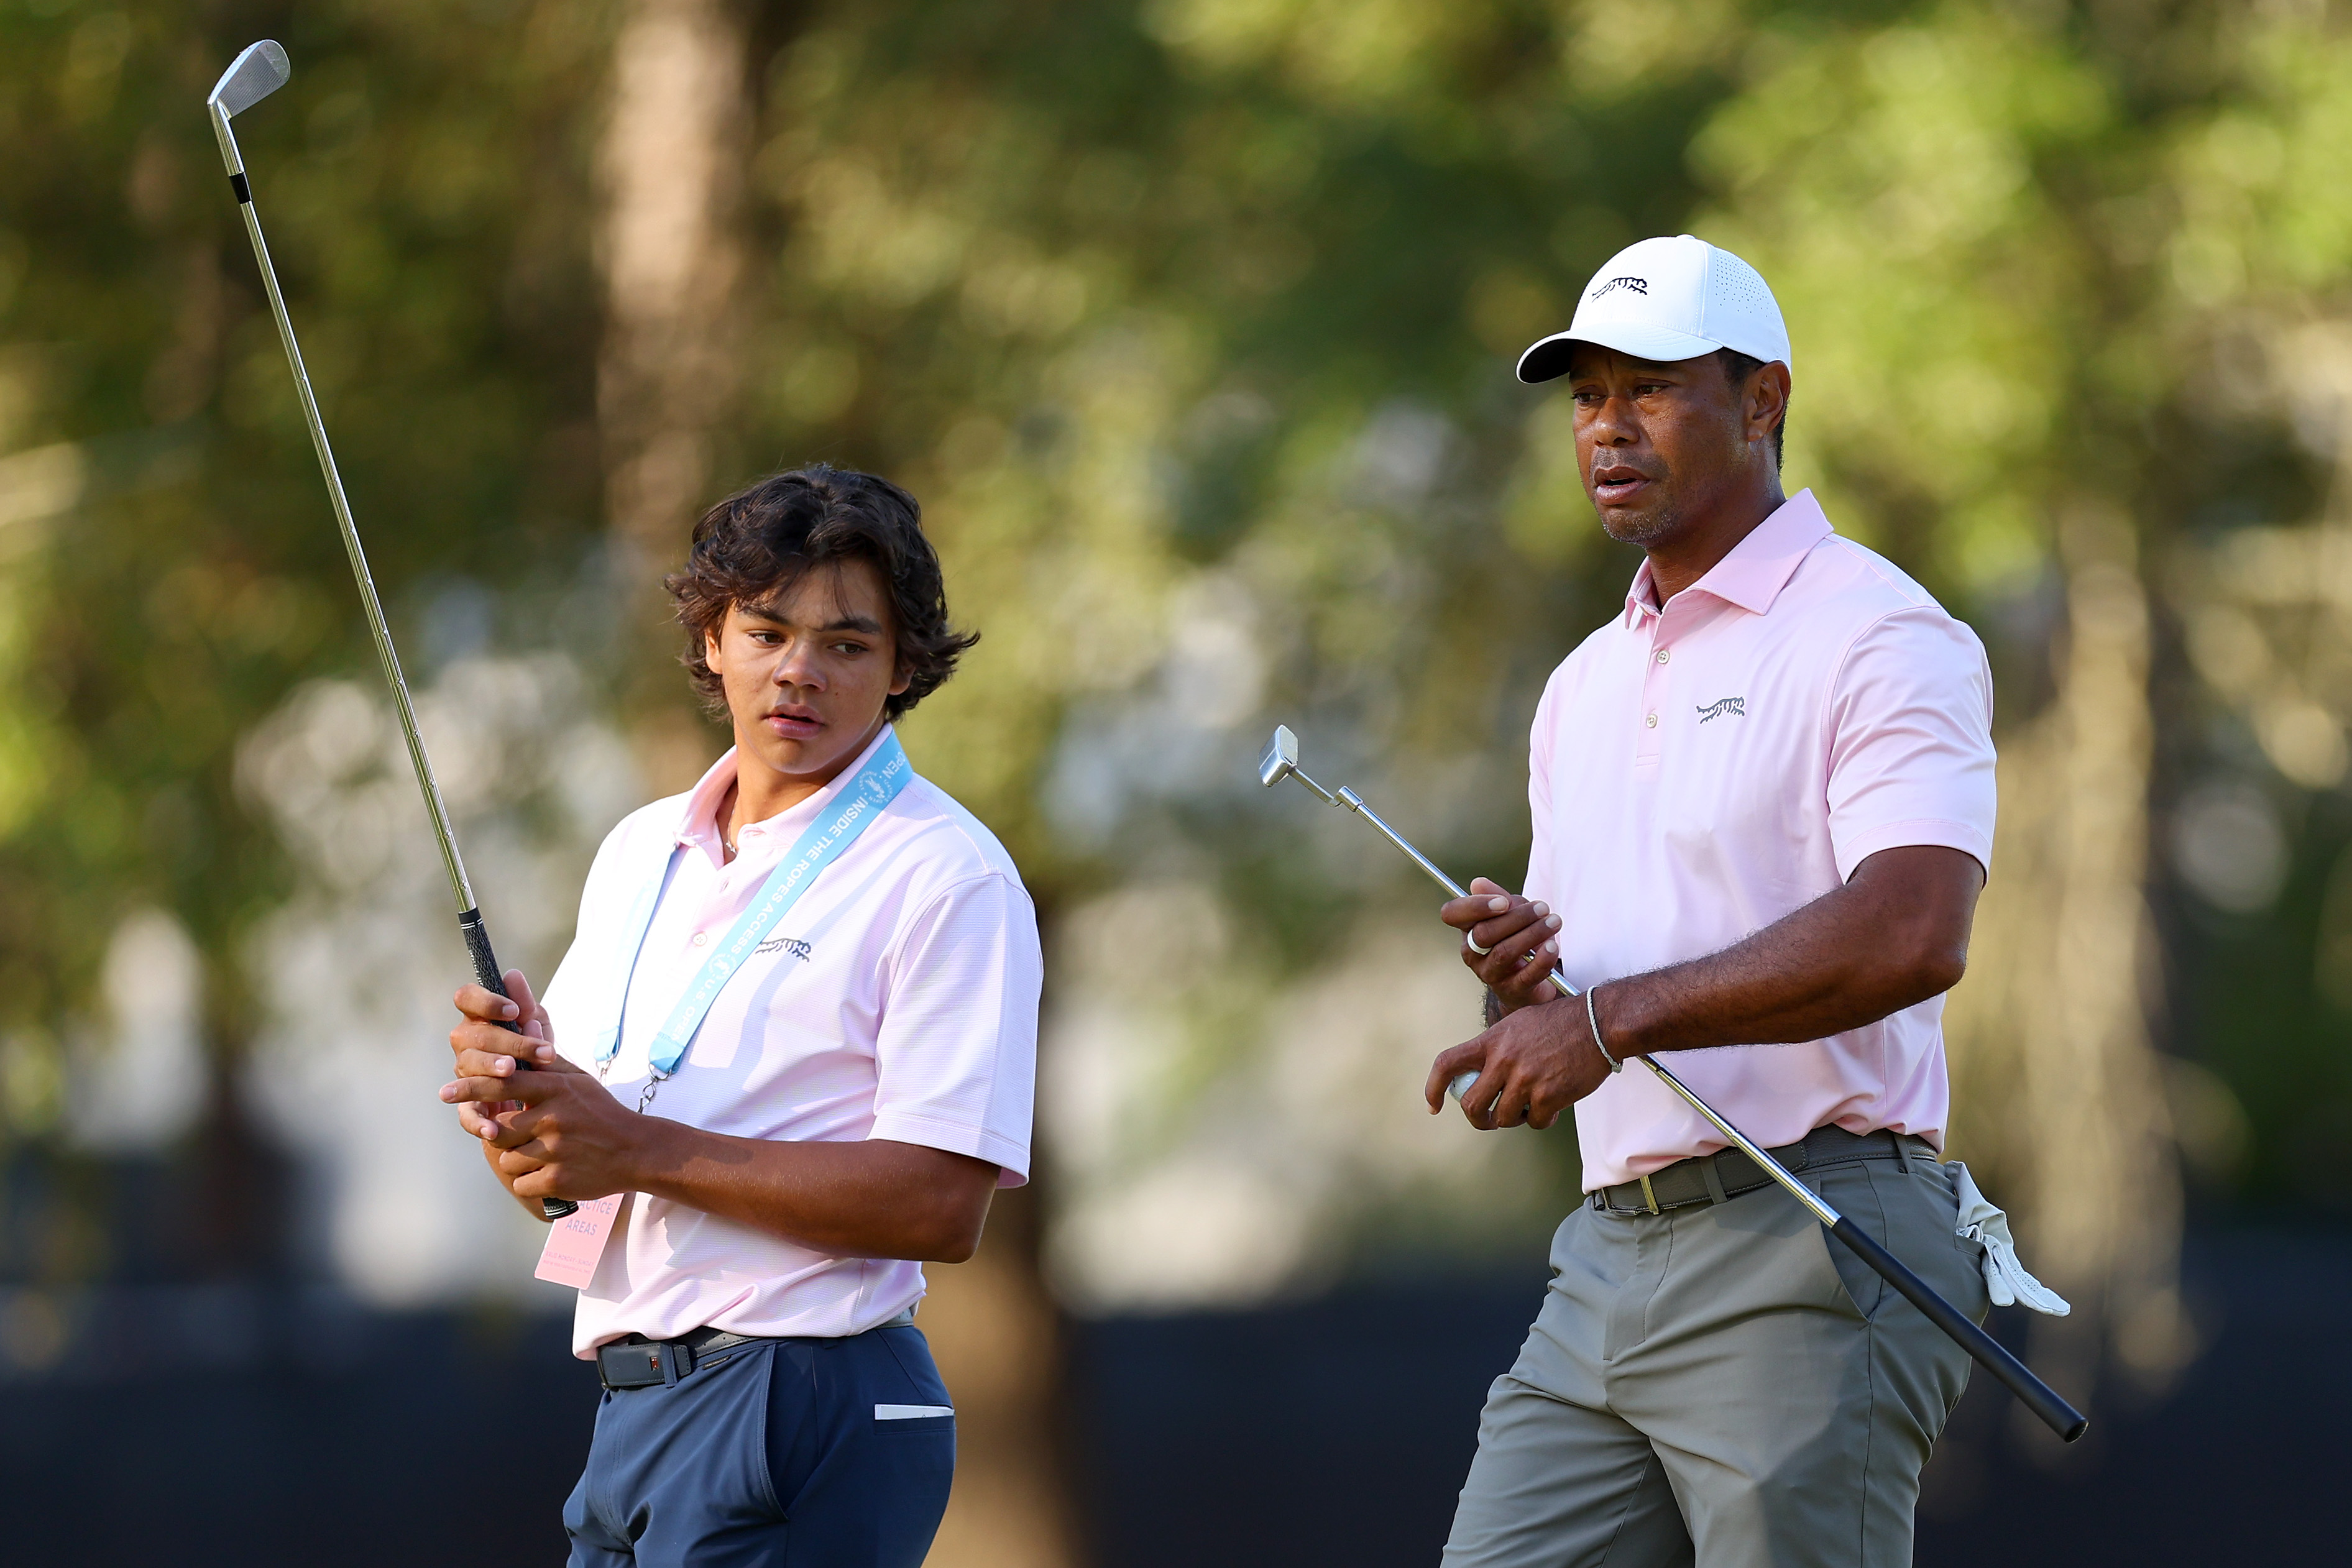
column 1659, row 445
column 806, row 673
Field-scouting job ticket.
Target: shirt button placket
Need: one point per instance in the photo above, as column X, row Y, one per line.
column 1647, row 751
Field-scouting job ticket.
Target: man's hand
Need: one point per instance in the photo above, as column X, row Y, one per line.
column 551, row 1132
column 1895, row 934
column 1521, row 940
column 1533, row 1065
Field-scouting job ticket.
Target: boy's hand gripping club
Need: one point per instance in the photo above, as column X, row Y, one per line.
column 1281, row 761
column 256, row 73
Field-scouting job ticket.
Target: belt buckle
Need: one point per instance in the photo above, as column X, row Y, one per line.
column 632, row 1361
column 1649, row 1197
column 646, row 1364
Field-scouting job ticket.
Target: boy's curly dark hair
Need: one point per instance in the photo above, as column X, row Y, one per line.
column 755, row 544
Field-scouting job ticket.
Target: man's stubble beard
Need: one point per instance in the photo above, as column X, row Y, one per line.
column 1647, row 530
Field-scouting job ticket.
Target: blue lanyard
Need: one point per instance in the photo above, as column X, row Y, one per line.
column 876, row 786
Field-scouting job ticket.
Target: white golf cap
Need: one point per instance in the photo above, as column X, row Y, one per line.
column 1666, row 300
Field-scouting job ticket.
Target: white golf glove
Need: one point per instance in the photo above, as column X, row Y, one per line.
column 2005, row 1276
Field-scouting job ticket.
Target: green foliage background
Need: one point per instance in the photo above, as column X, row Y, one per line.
column 1144, row 300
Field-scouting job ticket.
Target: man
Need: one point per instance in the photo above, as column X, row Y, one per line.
column 797, row 1028
column 1763, row 808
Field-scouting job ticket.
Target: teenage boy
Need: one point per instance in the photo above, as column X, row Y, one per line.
column 797, row 1030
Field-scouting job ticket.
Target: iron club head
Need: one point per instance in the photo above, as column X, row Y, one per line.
column 253, row 76
column 1281, row 758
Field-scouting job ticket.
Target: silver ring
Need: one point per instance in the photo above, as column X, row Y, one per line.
column 1473, row 943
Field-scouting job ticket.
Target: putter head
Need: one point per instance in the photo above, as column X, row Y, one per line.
column 1281, row 758
column 253, row 76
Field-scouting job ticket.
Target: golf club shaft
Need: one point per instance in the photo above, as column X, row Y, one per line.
column 485, row 961
column 1986, row 1351
column 1355, row 803
column 369, row 602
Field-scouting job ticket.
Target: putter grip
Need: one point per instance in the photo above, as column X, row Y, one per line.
column 490, row 977
column 1990, row 1352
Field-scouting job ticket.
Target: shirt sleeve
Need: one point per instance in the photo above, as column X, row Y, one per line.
column 956, row 1057
column 1911, row 756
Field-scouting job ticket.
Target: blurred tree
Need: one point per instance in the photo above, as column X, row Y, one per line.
column 670, row 165
column 170, row 565
column 1192, row 322
column 1913, row 190
column 2084, row 368
column 2254, row 273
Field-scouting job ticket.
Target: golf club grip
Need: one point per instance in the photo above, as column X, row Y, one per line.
column 1990, row 1352
column 490, row 977
column 486, row 973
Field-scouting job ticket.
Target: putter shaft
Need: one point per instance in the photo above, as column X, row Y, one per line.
column 1989, row 1352
column 1812, row 1201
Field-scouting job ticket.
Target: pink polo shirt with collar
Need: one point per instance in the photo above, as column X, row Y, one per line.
column 1699, row 770
column 896, row 1000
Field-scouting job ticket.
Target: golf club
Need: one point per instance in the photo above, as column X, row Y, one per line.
column 1281, row 761
column 255, row 74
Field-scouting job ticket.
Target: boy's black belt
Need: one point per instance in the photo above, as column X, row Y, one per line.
column 1727, row 1173
column 636, row 1362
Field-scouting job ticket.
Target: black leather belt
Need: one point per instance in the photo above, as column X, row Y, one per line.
column 636, row 1362
column 1726, row 1174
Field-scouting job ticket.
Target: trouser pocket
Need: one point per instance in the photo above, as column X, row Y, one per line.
column 1912, row 1213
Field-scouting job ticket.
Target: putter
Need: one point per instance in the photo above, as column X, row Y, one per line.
column 256, row 73
column 1281, row 761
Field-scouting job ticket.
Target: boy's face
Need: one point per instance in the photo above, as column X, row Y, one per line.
column 807, row 672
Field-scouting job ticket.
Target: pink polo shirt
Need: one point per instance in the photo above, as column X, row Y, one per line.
column 1699, row 771
column 896, row 1000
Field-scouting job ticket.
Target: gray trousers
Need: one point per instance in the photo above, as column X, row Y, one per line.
column 1724, row 1386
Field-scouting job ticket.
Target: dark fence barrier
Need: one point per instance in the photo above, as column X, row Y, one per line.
column 1337, row 1431
column 232, row 1426
column 229, row 1426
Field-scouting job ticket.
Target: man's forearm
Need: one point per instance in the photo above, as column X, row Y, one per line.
column 1893, row 935
column 873, row 1198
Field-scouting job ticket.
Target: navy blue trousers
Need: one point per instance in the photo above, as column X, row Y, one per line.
column 771, row 1454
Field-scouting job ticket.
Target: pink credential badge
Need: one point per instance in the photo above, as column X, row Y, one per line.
column 577, row 1241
